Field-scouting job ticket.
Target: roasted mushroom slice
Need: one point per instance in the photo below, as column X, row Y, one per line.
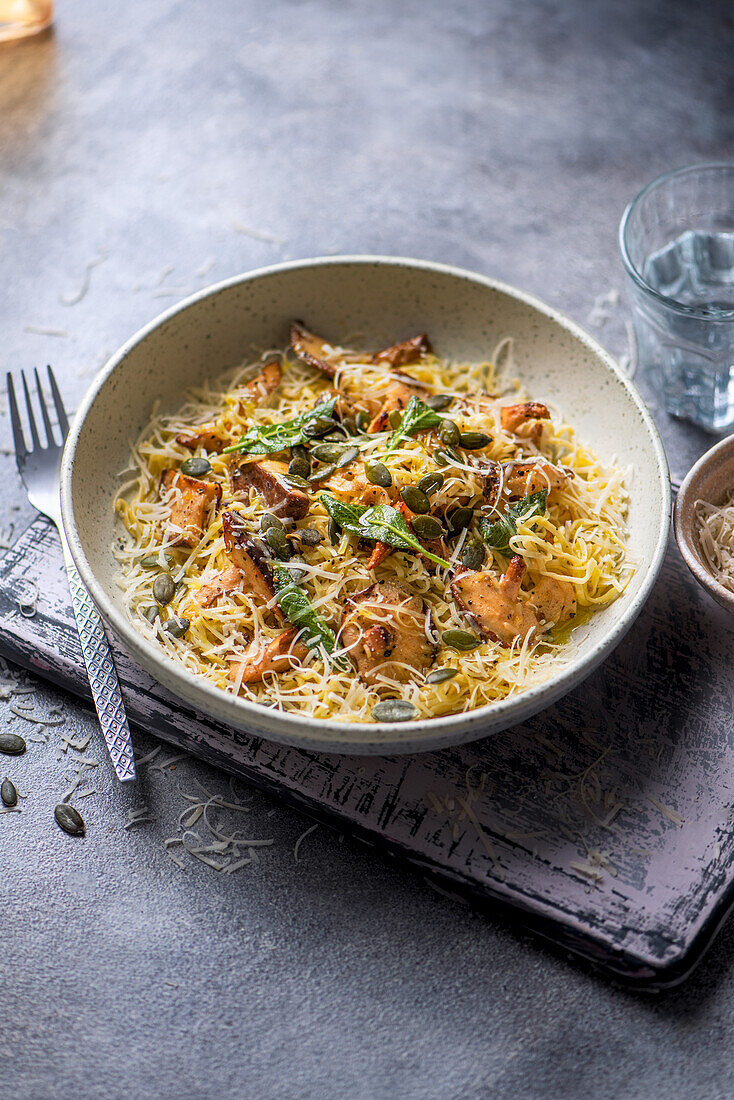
column 384, row 631
column 265, row 382
column 554, row 600
column 397, row 396
column 525, row 420
column 406, row 352
column 312, row 349
column 493, row 606
column 191, row 500
column 269, row 655
column 220, row 585
column 269, row 480
column 250, row 557
column 523, row 478
column 208, row 436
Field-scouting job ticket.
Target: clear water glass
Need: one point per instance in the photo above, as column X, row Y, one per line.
column 677, row 244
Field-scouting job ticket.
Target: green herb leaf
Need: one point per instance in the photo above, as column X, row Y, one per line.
column 381, row 523
column 346, row 515
column 296, row 606
column 268, row 439
column 418, row 417
column 498, row 534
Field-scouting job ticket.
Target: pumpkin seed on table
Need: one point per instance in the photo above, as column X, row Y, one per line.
column 474, row 441
column 459, row 519
column 473, row 554
column 439, row 401
column 69, row 819
column 12, row 744
column 177, row 627
column 427, row 527
column 164, row 588
column 416, row 499
column 8, row 793
column 449, row 433
column 395, row 419
column 460, row 639
column 431, row 483
column 299, row 467
column 393, row 710
column 441, row 675
column 196, row 467
column 322, row 474
column 378, row 474
column 309, row 536
column 269, row 520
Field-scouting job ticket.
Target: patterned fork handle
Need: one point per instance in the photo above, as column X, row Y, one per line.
column 101, row 672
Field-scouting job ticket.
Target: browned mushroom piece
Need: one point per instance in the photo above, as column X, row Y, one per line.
column 191, row 501
column 406, row 352
column 220, row 585
column 268, row 655
column 250, row 557
column 523, row 478
column 384, row 631
column 265, row 382
column 525, row 420
column 268, row 479
column 555, row 600
column 311, row 349
column 397, row 396
column 208, row 436
column 493, row 606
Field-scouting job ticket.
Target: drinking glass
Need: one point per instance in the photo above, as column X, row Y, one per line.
column 677, row 245
column 19, row 18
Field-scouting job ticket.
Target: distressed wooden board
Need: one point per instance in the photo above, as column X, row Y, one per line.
column 654, row 723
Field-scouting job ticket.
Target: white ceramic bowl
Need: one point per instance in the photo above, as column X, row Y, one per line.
column 384, row 300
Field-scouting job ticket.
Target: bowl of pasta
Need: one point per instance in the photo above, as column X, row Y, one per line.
column 366, row 504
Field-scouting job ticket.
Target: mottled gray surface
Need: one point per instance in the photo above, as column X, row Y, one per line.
column 506, row 137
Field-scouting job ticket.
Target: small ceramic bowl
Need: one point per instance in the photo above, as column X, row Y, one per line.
column 710, row 479
column 382, row 299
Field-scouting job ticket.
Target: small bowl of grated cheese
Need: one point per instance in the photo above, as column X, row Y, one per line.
column 703, row 521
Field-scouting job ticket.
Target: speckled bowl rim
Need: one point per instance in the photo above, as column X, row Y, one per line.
column 422, row 735
column 686, row 495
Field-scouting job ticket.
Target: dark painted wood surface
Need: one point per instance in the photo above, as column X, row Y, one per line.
column 604, row 822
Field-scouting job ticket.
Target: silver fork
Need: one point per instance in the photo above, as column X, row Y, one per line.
column 39, row 472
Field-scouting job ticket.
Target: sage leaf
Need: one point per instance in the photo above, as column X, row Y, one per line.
column 380, row 523
column 418, row 417
column 498, row 534
column 267, row 439
column 296, row 606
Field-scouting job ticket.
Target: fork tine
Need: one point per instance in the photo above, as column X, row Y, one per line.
column 44, row 411
column 20, row 450
column 29, row 409
column 60, row 411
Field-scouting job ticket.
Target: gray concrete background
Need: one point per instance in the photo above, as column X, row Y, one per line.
column 180, row 143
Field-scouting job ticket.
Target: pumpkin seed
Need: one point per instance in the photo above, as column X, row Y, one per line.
column 150, row 613
column 339, row 436
column 177, row 627
column 319, row 426
column 299, row 451
column 363, row 421
column 441, row 675
column 269, row 520
column 8, row 793
column 427, row 527
column 416, row 499
column 473, row 554
column 458, row 519
column 69, row 819
column 431, row 483
column 296, row 481
column 196, row 467
column 152, row 561
column 309, row 536
column 460, row 639
column 333, row 532
column 378, row 474
column 474, row 441
column 349, row 456
column 276, row 539
column 449, row 433
column 394, row 710
column 327, row 452
column 299, row 467
column 350, row 424
column 395, row 419
column 438, row 401
column 12, row 744
column 322, row 474
column 164, row 588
